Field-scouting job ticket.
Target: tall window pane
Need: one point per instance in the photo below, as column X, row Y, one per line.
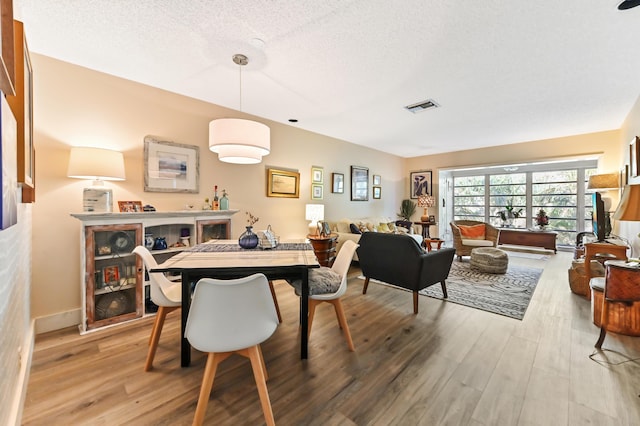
column 468, row 198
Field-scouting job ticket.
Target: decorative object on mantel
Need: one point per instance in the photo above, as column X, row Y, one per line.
column 426, row 201
column 248, row 239
column 224, row 201
column 171, row 167
column 542, row 219
column 99, row 165
column 237, row 140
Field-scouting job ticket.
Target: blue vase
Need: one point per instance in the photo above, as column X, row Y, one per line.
column 160, row 244
column 248, row 240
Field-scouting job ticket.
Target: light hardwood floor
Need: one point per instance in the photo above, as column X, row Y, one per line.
column 447, row 365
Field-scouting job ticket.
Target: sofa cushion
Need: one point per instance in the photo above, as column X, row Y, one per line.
column 354, row 229
column 343, row 226
column 383, row 227
column 472, row 232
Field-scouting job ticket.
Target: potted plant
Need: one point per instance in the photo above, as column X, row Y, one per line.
column 509, row 213
column 407, row 209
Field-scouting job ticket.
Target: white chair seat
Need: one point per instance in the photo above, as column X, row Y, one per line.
column 477, row 243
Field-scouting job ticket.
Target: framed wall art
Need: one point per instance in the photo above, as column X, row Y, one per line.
column 317, row 174
column 8, row 182
column 359, row 183
column 376, row 180
column 337, row 183
column 377, row 191
column 316, row 191
column 420, row 183
column 170, row 167
column 22, row 106
column 634, row 157
column 283, row 183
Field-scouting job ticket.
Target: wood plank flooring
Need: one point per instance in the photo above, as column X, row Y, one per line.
column 449, row 364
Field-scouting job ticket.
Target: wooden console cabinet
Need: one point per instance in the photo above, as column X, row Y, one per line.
column 525, row 237
column 112, row 280
column 324, row 248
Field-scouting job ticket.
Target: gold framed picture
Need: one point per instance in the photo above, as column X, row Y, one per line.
column 283, row 183
column 317, row 174
column 130, row 206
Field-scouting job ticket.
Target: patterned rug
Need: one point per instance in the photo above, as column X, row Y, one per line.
column 504, row 294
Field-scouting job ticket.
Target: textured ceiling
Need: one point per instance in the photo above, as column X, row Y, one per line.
column 503, row 71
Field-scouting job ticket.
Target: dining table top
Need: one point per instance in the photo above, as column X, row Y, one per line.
column 228, row 254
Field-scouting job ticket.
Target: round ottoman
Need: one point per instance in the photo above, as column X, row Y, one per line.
column 490, row 260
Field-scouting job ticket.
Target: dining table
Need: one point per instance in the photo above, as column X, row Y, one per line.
column 225, row 259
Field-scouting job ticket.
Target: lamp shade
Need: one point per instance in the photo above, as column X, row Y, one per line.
column 603, row 181
column 629, row 207
column 239, row 141
column 426, row 201
column 314, row 212
column 95, row 163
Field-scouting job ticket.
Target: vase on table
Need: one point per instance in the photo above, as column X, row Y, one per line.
column 248, row 239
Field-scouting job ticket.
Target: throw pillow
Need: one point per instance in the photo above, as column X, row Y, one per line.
column 392, row 226
column 354, row 229
column 322, row 280
column 472, row 232
column 383, row 227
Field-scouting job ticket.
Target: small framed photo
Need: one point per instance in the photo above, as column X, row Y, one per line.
column 377, row 179
column 337, row 183
column 316, row 191
column 317, row 174
column 170, row 167
column 324, row 229
column 377, row 192
column 283, row 183
column 111, row 275
column 420, row 183
column 432, row 218
column 130, row 206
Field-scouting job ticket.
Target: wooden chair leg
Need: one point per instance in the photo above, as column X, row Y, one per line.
column 415, row 302
column 205, row 388
column 312, row 311
column 155, row 334
column 342, row 320
column 275, row 300
column 264, row 366
column 444, row 290
column 603, row 323
column 258, row 374
column 366, row 285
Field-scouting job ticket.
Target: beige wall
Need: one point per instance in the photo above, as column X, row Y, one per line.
column 74, row 106
column 630, row 129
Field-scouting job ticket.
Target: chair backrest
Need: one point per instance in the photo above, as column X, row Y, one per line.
column 158, row 282
column 622, row 284
column 228, row 315
column 343, row 262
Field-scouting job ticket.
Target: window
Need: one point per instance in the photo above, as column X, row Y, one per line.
column 557, row 188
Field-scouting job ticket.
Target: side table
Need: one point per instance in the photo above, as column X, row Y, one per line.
column 324, row 247
column 433, row 243
column 425, row 230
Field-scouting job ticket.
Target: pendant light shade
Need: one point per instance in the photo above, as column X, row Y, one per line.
column 236, row 140
column 239, row 141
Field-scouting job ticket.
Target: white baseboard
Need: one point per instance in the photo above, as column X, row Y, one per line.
column 15, row 417
column 58, row 321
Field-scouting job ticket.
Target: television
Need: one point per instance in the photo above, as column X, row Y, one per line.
column 598, row 219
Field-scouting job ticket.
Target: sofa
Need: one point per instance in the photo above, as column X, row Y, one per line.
column 400, row 261
column 346, row 229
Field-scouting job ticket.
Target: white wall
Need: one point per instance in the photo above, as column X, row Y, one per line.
column 16, row 333
column 630, row 129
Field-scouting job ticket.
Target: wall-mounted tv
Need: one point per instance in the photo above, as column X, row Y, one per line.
column 598, row 220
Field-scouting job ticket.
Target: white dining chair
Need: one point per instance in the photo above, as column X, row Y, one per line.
column 317, row 282
column 227, row 317
column 165, row 293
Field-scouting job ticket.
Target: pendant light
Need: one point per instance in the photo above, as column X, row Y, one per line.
column 236, row 140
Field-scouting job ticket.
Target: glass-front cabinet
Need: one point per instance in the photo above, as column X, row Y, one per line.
column 113, row 279
column 114, row 288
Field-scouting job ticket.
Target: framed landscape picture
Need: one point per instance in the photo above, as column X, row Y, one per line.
column 283, row 183
column 170, row 167
column 420, row 183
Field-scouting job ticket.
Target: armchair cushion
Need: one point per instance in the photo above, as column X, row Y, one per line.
column 472, row 232
column 464, row 244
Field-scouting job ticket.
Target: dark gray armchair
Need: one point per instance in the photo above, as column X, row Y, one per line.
column 399, row 260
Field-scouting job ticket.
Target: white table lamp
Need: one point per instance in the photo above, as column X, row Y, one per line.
column 314, row 213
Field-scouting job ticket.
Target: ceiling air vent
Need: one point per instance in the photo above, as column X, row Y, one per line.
column 422, row 106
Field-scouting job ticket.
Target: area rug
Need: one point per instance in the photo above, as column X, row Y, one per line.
column 503, row 294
